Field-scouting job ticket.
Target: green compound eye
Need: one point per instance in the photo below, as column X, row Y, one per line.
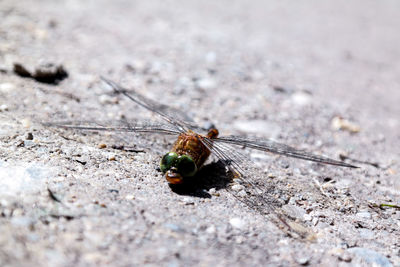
column 168, row 161
column 186, row 166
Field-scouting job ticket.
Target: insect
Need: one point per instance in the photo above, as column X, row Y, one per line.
column 191, row 150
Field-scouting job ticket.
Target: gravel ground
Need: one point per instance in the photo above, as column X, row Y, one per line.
column 319, row 75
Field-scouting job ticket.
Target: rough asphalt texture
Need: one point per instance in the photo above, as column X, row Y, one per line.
column 322, row 76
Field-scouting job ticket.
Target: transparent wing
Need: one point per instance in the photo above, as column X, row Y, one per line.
column 257, row 198
column 119, row 126
column 268, row 145
column 176, row 117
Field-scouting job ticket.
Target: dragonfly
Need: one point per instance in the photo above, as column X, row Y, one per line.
column 191, row 149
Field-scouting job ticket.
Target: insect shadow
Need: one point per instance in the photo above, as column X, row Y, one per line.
column 212, row 175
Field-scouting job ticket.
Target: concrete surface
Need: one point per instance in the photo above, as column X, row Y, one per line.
column 319, row 75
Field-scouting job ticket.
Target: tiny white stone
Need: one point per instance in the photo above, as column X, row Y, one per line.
column 129, row 197
column 236, row 180
column 301, row 98
column 206, row 83
column 211, row 229
column 239, row 239
column 339, row 123
column 307, row 217
column 364, row 214
column 187, row 200
column 242, row 193
column 237, row 187
column 26, row 122
column 237, row 223
column 6, row 87
column 106, row 99
column 3, row 107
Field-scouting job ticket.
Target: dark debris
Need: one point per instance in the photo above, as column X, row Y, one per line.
column 46, row 73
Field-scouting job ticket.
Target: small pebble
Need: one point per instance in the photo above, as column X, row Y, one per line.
column 364, row 214
column 242, row 193
column 239, row 239
column 211, row 229
column 236, row 180
column 212, row 191
column 187, row 201
column 17, row 213
column 303, row 260
column 29, row 136
column 301, row 98
column 339, row 123
column 112, row 158
column 28, row 143
column 237, row 223
column 106, row 99
column 346, row 257
column 206, row 84
column 129, row 197
column 237, row 187
column 7, row 213
column 3, row 108
column 307, row 217
column 26, row 123
column 6, row 87
column 102, row 146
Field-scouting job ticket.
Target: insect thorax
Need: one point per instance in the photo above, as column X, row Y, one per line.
column 190, row 144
